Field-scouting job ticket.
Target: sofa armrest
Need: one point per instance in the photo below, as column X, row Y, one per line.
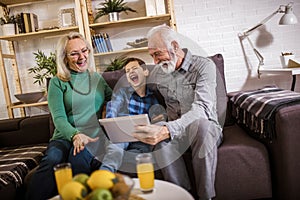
column 10, row 124
column 31, row 130
column 284, row 152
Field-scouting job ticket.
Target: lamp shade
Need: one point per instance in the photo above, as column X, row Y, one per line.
column 289, row 17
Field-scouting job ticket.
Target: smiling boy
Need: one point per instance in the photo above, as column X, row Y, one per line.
column 136, row 99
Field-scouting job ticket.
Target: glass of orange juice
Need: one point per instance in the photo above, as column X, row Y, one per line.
column 63, row 174
column 145, row 171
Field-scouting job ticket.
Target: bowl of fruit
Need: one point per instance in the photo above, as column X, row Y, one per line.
column 100, row 185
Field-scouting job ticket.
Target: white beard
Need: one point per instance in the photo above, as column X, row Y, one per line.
column 168, row 66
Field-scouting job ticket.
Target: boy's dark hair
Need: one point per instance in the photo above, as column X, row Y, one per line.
column 132, row 59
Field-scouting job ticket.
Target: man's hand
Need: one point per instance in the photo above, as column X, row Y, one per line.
column 151, row 134
column 80, row 140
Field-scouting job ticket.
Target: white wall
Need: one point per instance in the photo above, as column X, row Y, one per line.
column 214, row 25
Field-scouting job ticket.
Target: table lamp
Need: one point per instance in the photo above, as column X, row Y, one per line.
column 287, row 19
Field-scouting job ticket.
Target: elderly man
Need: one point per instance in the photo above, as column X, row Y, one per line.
column 188, row 84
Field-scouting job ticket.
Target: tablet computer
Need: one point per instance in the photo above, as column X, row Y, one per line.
column 120, row 129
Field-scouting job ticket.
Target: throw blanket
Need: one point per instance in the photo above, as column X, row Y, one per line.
column 256, row 109
column 16, row 162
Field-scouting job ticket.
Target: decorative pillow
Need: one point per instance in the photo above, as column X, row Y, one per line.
column 221, row 88
column 113, row 77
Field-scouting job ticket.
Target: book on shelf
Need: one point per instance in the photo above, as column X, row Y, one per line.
column 94, row 44
column 107, row 41
column 150, row 7
column 155, row 7
column 98, row 44
column 20, row 23
column 101, row 43
column 34, row 22
column 27, row 22
column 160, row 7
column 26, row 18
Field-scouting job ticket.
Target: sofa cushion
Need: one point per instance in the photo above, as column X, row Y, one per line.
column 244, row 163
column 112, row 77
column 31, row 130
column 10, row 124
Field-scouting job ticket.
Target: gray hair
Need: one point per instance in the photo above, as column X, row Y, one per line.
column 166, row 33
column 63, row 71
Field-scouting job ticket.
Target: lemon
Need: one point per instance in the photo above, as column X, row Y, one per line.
column 73, row 190
column 81, row 178
column 101, row 179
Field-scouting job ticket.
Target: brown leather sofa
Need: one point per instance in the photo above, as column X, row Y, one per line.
column 22, row 144
column 243, row 170
column 247, row 167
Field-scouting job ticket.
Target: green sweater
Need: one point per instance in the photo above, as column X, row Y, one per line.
column 73, row 112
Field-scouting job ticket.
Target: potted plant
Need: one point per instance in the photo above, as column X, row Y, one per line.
column 45, row 68
column 116, row 64
column 7, row 22
column 112, row 8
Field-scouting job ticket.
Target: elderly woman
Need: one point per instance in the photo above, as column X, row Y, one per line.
column 75, row 97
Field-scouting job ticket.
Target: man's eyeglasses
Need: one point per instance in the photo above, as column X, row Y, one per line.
column 76, row 54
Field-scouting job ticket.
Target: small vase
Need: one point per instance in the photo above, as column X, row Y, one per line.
column 285, row 60
column 114, row 16
column 8, row 29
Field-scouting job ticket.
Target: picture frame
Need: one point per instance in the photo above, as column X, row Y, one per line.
column 67, row 17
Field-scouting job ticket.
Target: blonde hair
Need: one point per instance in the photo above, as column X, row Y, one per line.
column 63, row 71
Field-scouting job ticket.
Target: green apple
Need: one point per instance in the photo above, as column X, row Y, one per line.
column 100, row 194
column 82, row 178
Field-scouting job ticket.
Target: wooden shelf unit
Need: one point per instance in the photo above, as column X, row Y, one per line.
column 15, row 2
column 141, row 21
column 38, row 34
column 83, row 7
column 135, row 21
column 124, row 51
column 11, row 39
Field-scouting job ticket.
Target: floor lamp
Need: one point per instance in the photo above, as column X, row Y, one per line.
column 287, row 19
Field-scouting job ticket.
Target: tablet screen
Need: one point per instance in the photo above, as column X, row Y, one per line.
column 120, row 129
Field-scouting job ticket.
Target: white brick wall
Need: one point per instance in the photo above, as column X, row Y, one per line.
column 214, row 25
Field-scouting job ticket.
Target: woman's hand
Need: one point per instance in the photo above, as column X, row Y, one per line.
column 151, row 134
column 80, row 140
